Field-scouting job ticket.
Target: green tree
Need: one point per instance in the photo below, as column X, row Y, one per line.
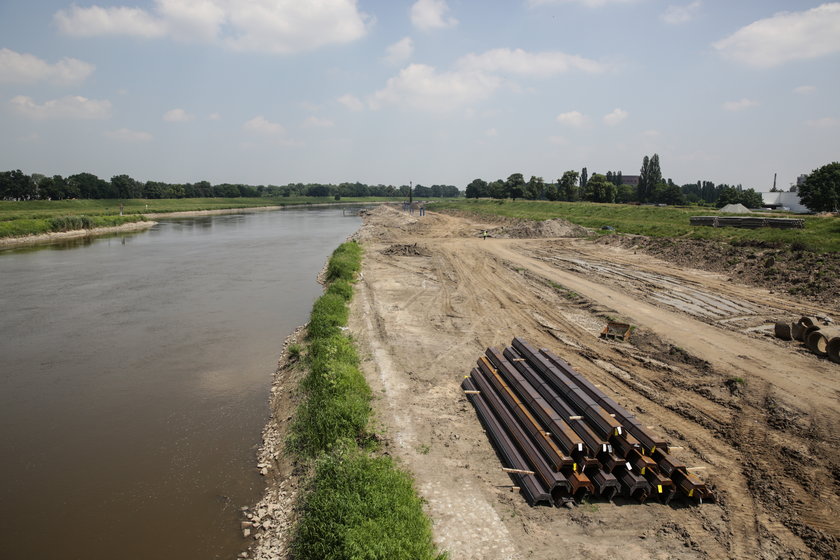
column 599, row 189
column 515, row 186
column 535, row 188
column 567, row 186
column 584, row 177
column 477, row 188
column 821, row 190
column 552, row 192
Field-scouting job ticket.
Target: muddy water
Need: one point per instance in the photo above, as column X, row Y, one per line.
column 134, row 377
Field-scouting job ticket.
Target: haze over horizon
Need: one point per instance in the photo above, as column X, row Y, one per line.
column 430, row 91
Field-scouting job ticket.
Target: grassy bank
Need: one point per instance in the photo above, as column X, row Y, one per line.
column 34, row 226
column 35, row 216
column 357, row 504
column 820, row 234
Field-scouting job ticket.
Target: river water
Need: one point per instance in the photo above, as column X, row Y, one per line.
column 134, row 381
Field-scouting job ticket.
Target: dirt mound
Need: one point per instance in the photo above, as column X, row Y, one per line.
column 781, row 269
column 527, row 229
column 410, row 250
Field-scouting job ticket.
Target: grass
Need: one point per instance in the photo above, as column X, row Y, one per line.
column 34, row 216
column 820, row 235
column 361, row 507
column 357, row 504
column 34, row 226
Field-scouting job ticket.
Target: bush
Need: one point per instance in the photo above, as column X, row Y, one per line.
column 328, row 314
column 362, row 507
column 341, row 288
column 70, row 223
column 345, row 262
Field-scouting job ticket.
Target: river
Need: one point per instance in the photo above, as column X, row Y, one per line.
column 134, row 380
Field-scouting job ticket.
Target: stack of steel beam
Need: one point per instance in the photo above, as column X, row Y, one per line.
column 561, row 438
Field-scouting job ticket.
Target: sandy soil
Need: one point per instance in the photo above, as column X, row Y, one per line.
column 759, row 415
column 6, row 242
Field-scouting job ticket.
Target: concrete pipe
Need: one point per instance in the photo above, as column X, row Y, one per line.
column 817, row 341
column 805, row 331
column 783, row 331
column 833, row 349
column 808, row 321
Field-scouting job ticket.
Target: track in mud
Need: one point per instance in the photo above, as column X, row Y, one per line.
column 763, row 426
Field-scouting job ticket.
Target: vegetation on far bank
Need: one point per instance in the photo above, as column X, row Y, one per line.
column 821, row 234
column 357, row 503
column 18, row 218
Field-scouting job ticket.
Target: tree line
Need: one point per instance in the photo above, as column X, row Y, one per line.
column 16, row 185
column 651, row 188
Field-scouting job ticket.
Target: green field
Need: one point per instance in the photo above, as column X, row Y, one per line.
column 820, row 234
column 39, row 216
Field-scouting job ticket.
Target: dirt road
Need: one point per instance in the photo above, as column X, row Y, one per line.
column 759, row 415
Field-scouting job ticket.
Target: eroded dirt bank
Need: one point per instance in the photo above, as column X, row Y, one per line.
column 759, row 415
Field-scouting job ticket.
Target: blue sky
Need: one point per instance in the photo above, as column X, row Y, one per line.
column 430, row 91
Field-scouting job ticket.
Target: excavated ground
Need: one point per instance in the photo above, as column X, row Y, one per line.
column 758, row 415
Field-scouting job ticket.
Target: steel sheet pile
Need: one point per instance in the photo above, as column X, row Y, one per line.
column 561, row 438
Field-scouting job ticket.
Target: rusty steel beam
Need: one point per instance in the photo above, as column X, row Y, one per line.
column 530, row 486
column 599, row 418
column 539, row 435
column 555, row 483
column 622, row 415
column 593, row 442
column 560, row 430
column 633, row 485
column 606, row 484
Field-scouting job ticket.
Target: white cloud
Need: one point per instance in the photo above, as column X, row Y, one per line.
column 274, row 26
column 431, row 14
column 784, row 37
column 651, row 133
column 739, row 105
column 260, row 125
column 317, row 122
column 825, row 122
column 70, row 107
column 351, row 102
column 805, row 90
column 558, row 140
column 521, row 62
column 573, row 118
column 22, row 68
column 287, row 26
column 400, row 51
column 675, row 15
column 588, row 3
column 118, row 20
column 214, row 117
column 177, row 115
column 128, row 135
column 615, row 116
column 422, row 87
column 491, row 132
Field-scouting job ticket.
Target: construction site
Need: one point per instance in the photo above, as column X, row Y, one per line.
column 555, row 395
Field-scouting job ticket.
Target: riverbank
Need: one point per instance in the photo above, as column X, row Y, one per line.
column 57, row 236
column 331, row 493
column 701, row 368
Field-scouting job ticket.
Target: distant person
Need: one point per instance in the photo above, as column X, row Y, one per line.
column 484, row 234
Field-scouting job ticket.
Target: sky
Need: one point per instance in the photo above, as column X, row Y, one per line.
column 431, row 91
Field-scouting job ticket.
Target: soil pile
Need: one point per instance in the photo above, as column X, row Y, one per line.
column 411, row 250
column 527, row 229
column 781, row 269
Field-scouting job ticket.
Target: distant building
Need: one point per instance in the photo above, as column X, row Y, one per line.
column 630, row 180
column 801, row 180
column 784, row 200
